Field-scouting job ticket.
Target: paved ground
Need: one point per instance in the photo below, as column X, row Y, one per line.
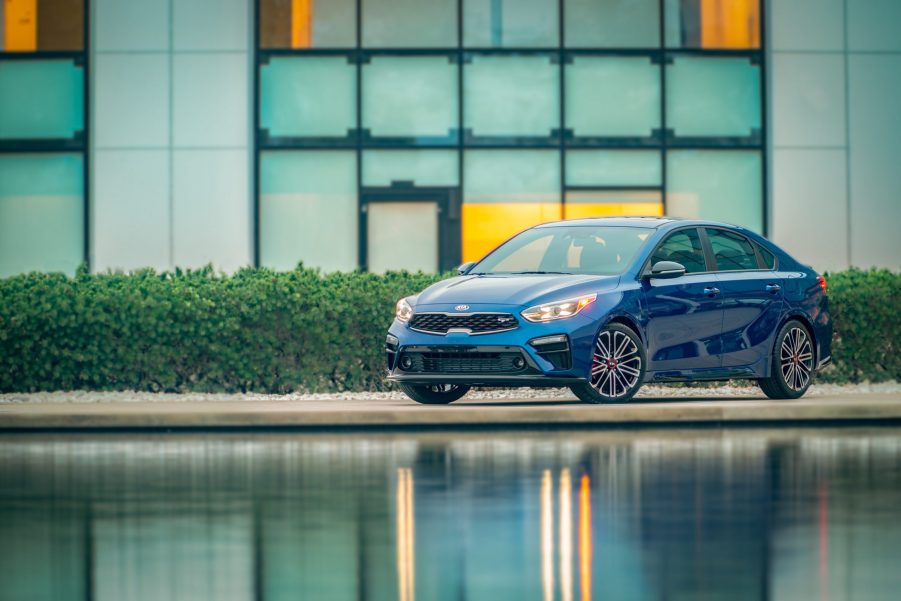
column 735, row 406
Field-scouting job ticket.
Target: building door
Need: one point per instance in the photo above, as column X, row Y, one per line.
column 416, row 229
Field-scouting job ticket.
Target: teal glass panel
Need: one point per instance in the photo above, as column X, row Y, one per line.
column 723, row 185
column 712, row 96
column 613, row 168
column 612, row 23
column 309, row 96
column 511, row 176
column 421, row 167
column 409, row 23
column 612, row 96
column 41, row 99
column 410, row 96
column 41, row 213
column 510, row 23
column 511, row 96
column 308, row 210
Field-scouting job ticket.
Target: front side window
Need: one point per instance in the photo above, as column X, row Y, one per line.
column 731, row 251
column 683, row 247
column 595, row 250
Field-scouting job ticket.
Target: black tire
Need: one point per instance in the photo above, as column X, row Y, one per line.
column 791, row 363
column 617, row 374
column 436, row 394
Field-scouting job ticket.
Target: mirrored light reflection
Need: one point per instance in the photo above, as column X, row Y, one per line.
column 547, row 535
column 566, row 541
column 406, row 566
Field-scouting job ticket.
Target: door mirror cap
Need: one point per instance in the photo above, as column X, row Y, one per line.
column 465, row 267
column 666, row 270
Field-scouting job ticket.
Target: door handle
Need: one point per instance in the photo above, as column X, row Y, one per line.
column 773, row 288
column 711, row 291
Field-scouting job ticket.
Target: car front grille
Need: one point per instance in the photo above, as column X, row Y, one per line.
column 475, row 323
column 471, row 362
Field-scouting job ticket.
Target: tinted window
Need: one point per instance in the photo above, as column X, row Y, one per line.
column 731, row 251
column 769, row 259
column 567, row 249
column 682, row 247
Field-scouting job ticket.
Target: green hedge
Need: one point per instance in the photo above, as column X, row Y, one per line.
column 267, row 331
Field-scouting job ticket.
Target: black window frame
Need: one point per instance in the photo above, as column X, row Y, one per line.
column 761, row 266
column 560, row 139
column 78, row 144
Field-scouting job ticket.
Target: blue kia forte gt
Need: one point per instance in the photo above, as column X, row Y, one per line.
column 604, row 305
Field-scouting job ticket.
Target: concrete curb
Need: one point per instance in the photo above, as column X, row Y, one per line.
column 387, row 415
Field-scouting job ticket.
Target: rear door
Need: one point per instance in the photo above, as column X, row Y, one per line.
column 685, row 314
column 752, row 297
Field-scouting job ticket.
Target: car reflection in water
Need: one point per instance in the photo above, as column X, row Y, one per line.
column 615, row 515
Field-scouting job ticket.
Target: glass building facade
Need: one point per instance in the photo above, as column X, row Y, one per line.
column 43, row 135
column 418, row 134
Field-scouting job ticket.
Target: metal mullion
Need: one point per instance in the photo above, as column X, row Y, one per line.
column 86, row 137
column 764, row 138
column 48, row 54
column 460, row 115
column 561, row 61
column 663, row 155
column 361, row 207
column 256, row 132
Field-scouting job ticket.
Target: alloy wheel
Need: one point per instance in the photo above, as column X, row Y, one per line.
column 796, row 359
column 615, row 365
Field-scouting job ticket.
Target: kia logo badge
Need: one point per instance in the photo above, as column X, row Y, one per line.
column 461, row 307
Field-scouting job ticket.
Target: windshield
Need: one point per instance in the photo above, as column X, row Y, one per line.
column 582, row 249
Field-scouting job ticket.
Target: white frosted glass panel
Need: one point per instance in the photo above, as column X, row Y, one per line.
column 511, row 96
column 41, row 99
column 131, row 25
column 410, row 96
column 510, row 23
column 308, row 96
column 511, row 176
column 131, row 100
column 718, row 185
column 712, row 96
column 613, row 168
column 612, row 96
column 210, row 25
column 209, row 104
column 402, row 235
column 41, row 213
column 612, row 23
column 422, row 167
column 410, row 23
column 308, row 210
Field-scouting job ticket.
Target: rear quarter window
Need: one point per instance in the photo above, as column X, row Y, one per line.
column 769, row 259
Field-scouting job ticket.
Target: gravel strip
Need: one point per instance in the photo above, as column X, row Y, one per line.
column 651, row 391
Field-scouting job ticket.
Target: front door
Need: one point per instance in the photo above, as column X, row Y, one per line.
column 410, row 228
column 685, row 314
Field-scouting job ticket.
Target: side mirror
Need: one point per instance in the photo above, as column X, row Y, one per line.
column 465, row 267
column 666, row 270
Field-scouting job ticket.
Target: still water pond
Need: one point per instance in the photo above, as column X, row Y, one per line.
column 749, row 514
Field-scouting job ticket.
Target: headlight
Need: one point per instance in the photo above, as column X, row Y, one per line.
column 403, row 311
column 559, row 309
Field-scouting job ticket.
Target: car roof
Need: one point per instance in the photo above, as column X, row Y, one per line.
column 652, row 222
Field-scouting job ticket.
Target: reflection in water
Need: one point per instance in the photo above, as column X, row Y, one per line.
column 746, row 514
column 406, row 565
column 585, row 550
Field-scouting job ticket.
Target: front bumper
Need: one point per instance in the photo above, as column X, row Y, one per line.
column 510, row 358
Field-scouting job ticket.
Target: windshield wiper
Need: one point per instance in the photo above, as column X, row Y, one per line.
column 540, row 272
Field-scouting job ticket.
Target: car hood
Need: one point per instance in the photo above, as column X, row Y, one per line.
column 512, row 289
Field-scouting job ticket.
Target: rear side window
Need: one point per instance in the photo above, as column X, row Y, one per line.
column 682, row 247
column 769, row 259
column 731, row 251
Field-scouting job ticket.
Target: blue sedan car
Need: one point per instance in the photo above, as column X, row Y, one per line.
column 604, row 305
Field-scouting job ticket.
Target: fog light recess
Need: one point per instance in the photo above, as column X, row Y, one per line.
column 553, row 349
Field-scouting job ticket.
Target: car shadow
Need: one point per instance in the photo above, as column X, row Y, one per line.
column 640, row 401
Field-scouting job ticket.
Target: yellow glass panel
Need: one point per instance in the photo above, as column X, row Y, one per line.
column 20, row 32
column 486, row 225
column 730, row 23
column 301, row 23
column 613, row 209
